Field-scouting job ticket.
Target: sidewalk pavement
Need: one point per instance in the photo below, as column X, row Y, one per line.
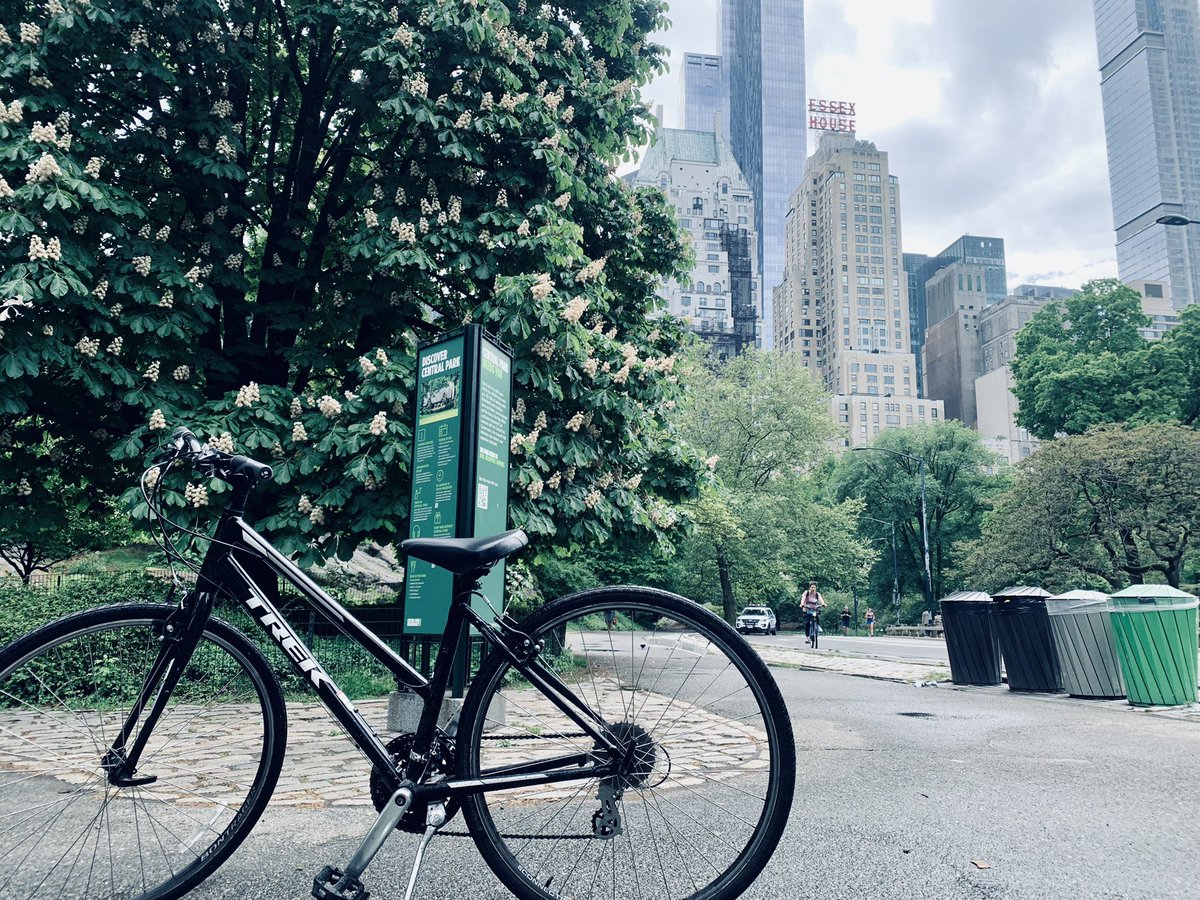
column 911, row 671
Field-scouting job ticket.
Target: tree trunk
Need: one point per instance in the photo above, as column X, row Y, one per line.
column 725, row 569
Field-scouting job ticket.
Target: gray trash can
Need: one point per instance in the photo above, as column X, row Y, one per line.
column 1087, row 650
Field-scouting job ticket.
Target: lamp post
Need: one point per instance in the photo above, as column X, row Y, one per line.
column 1175, row 220
column 895, row 565
column 920, row 461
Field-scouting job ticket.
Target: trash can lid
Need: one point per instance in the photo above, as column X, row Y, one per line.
column 1028, row 593
column 967, row 597
column 1152, row 597
column 1075, row 601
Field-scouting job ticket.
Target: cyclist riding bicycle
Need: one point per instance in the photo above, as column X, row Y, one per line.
column 811, row 604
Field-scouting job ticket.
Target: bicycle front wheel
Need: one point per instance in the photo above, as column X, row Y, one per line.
column 707, row 762
column 208, row 769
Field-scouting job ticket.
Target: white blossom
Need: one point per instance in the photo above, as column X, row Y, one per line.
column 575, row 422
column 151, row 373
column 101, row 290
column 562, row 200
column 52, row 249
column 196, row 495
column 163, row 233
column 535, row 488
column 44, row 169
column 368, row 367
column 329, row 407
column 88, row 347
column 225, row 149
column 298, row 432
column 542, row 286
column 574, row 310
column 304, row 505
column 592, row 499
column 142, row 265
column 41, row 133
column 379, row 423
column 167, row 300
column 247, row 395
column 317, row 516
column 381, row 357
column 181, row 373
column 5, row 189
column 544, row 348
column 30, row 34
column 224, row 443
column 48, row 330
column 371, row 218
column 116, row 345
column 23, row 488
column 157, row 420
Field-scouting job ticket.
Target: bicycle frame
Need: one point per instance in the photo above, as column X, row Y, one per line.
column 225, row 572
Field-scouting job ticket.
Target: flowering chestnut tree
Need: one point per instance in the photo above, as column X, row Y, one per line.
column 243, row 215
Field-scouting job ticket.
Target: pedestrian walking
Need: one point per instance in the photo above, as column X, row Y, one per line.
column 845, row 620
column 870, row 622
column 610, row 616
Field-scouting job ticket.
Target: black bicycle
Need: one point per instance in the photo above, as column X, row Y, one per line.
column 140, row 743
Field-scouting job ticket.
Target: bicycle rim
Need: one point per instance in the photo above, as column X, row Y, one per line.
column 709, row 760
column 65, row 830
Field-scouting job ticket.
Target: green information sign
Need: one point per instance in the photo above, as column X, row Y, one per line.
column 460, row 463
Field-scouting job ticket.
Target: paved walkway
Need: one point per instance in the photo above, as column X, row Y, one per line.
column 824, row 661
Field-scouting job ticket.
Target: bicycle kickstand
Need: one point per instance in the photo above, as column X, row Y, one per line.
column 434, row 819
column 335, row 884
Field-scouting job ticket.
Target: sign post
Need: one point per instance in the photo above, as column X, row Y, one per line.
column 459, row 470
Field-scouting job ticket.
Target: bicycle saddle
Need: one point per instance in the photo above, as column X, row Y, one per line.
column 463, row 555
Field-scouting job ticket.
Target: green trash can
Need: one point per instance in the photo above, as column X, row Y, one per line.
column 1155, row 626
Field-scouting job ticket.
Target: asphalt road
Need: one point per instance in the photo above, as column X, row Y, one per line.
column 901, row 789
column 880, row 646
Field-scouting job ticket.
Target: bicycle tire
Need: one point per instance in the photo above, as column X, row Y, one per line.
column 762, row 769
column 64, row 689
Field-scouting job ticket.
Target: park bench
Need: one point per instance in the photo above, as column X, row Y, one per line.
column 929, row 631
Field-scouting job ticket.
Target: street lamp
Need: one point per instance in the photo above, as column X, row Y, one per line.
column 895, row 565
column 920, row 461
column 1175, row 220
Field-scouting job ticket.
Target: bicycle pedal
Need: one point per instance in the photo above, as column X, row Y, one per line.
column 332, row 884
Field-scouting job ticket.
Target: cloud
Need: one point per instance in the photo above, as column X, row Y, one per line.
column 989, row 109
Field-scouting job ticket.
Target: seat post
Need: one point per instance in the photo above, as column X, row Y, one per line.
column 461, row 592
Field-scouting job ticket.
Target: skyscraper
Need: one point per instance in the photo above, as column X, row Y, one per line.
column 705, row 97
column 986, row 253
column 762, row 50
column 1150, row 81
column 844, row 303
column 697, row 172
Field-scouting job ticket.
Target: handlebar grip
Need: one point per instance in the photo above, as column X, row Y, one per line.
column 183, row 439
column 251, row 468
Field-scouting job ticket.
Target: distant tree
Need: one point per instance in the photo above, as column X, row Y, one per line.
column 1110, row 508
column 759, row 530
column 244, row 216
column 1082, row 363
column 957, row 488
column 59, row 513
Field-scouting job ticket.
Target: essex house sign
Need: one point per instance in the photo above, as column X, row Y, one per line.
column 832, row 115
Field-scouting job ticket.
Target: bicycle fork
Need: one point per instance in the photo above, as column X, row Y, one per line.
column 181, row 634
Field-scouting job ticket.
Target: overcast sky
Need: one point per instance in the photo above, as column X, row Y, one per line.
column 989, row 109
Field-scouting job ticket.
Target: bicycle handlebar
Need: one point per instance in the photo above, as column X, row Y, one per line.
column 224, row 465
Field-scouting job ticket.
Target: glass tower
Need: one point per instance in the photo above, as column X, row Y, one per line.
column 1150, row 81
column 704, row 96
column 762, row 46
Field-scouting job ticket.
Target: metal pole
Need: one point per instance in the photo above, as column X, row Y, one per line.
column 925, row 535
column 895, row 576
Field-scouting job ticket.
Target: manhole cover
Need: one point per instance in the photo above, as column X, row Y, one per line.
column 916, row 715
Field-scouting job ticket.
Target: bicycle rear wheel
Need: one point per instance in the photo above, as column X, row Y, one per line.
column 214, row 757
column 708, row 757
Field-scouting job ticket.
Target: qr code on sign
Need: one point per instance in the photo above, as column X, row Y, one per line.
column 481, row 496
